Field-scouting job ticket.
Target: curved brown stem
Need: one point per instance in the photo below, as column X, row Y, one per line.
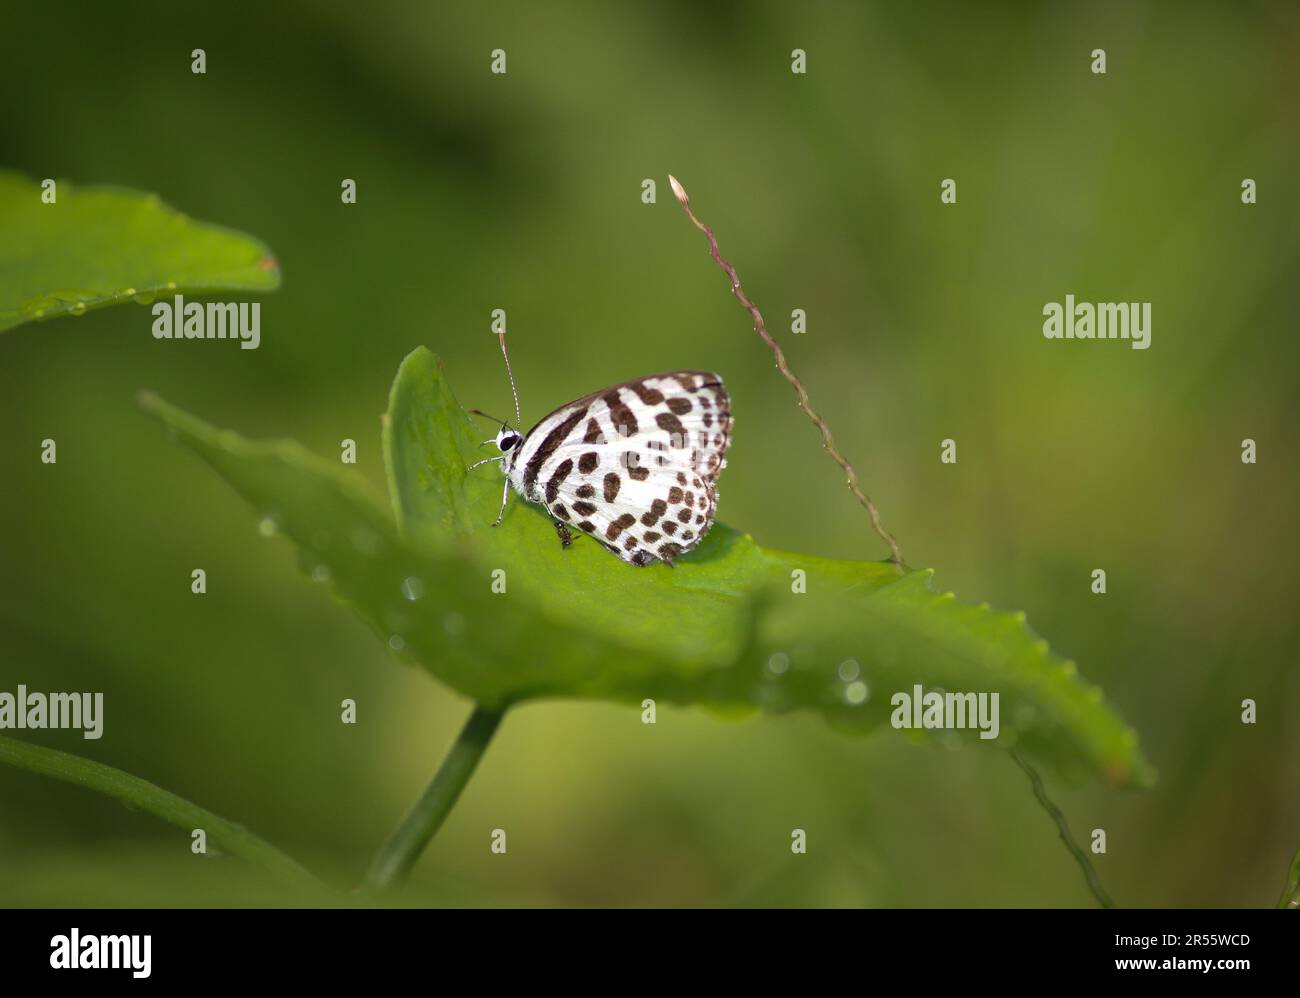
column 804, row 402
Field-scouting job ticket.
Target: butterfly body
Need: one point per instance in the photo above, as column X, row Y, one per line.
column 633, row 466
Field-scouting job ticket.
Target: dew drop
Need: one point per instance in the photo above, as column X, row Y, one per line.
column 144, row 298
column 396, row 642
column 412, row 588
column 320, row 573
column 778, row 663
column 268, row 526
column 856, row 693
column 849, row 670
column 77, row 308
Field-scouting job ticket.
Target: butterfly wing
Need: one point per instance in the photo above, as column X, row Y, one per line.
column 633, row 465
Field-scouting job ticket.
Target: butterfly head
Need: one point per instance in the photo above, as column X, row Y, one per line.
column 507, row 440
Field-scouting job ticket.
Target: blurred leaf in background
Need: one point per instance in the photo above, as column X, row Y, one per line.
column 66, row 251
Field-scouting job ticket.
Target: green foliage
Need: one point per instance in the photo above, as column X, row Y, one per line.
column 1290, row 897
column 722, row 629
column 145, row 796
column 99, row 246
column 523, row 192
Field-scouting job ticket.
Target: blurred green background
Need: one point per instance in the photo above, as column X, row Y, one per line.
column 522, row 192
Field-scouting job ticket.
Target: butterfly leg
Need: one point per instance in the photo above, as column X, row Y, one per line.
column 561, row 528
column 505, row 495
column 566, row 538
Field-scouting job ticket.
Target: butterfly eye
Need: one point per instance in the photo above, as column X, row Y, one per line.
column 508, row 441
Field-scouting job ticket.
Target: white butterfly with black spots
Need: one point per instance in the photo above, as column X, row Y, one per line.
column 634, row 465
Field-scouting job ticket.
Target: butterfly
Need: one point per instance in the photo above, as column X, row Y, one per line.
column 633, row 466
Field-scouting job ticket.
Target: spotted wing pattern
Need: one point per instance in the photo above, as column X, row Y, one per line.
column 634, row 465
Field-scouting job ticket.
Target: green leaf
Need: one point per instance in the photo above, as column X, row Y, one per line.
column 1290, row 897
column 145, row 796
column 98, row 246
column 721, row 629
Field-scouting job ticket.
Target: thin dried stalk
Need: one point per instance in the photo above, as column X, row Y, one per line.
column 1063, row 829
column 804, row 403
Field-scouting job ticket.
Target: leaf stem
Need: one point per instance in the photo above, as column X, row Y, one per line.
column 1291, row 892
column 804, row 402
column 400, row 852
column 1063, row 828
column 137, row 793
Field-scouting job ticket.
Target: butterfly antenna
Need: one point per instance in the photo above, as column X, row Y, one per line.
column 519, row 425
